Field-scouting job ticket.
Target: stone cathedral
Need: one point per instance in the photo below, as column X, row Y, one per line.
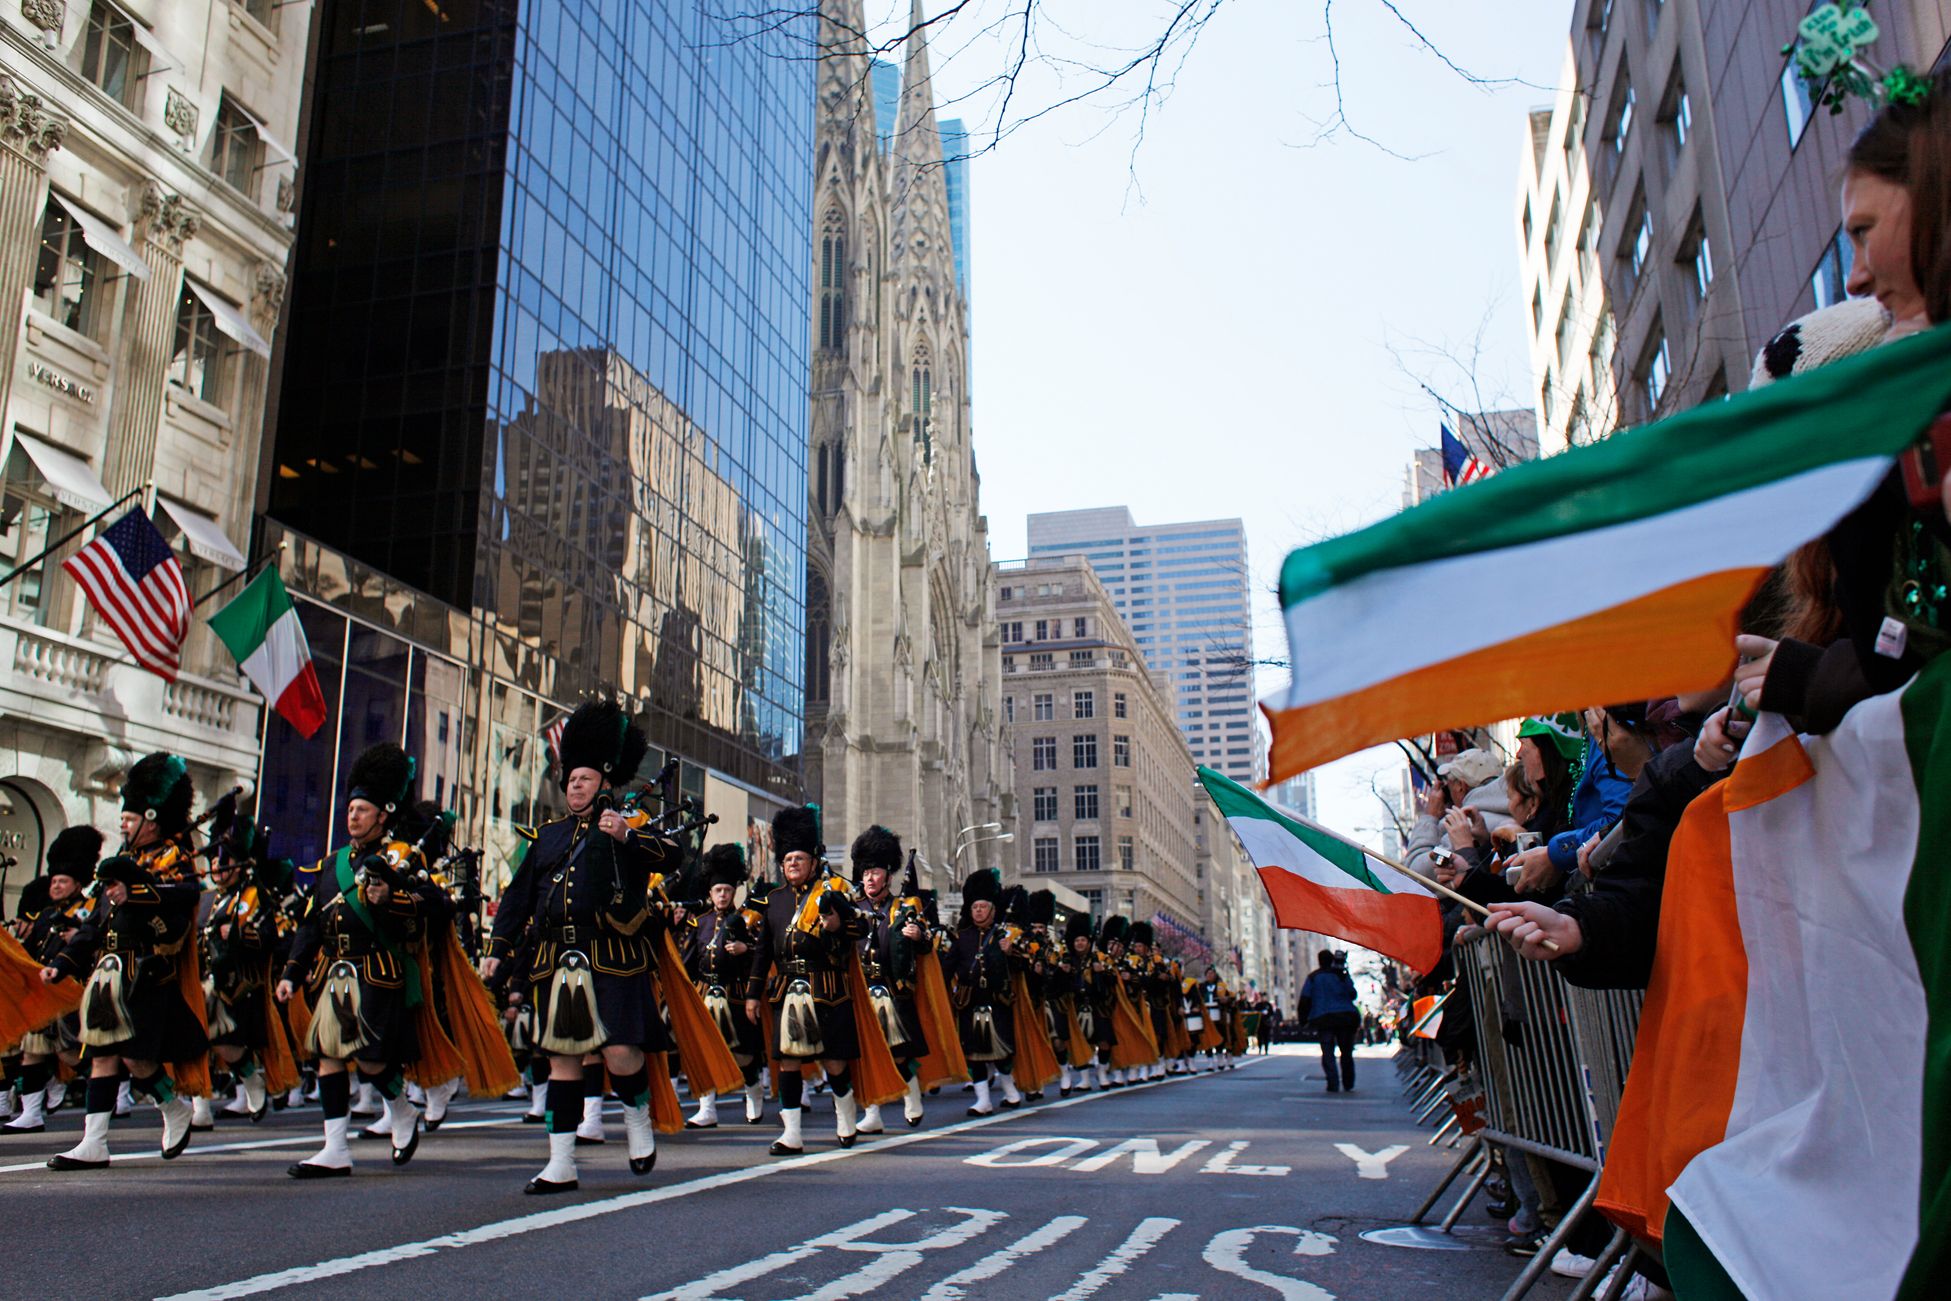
column 904, row 669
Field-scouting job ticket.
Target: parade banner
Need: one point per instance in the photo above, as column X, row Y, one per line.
column 1319, row 882
column 1786, row 1125
column 1612, row 572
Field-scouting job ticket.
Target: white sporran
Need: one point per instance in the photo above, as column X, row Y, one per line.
column 337, row 1031
column 572, row 1025
column 799, row 1023
column 888, row 1013
column 105, row 1003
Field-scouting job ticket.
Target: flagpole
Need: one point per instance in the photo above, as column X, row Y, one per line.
column 250, row 571
column 69, row 536
column 1440, row 888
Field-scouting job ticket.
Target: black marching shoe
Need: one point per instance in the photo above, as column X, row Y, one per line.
column 540, row 1187
column 643, row 1165
column 779, row 1148
column 59, row 1162
column 402, row 1155
column 306, row 1170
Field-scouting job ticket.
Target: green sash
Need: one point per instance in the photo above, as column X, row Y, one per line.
column 355, row 900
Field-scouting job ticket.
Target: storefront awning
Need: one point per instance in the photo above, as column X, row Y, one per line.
column 229, row 319
column 205, row 538
column 68, row 477
column 105, row 239
column 278, row 152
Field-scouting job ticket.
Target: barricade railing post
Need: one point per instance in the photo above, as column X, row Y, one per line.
column 1469, row 1153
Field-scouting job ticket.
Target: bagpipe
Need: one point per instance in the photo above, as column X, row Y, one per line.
column 218, row 817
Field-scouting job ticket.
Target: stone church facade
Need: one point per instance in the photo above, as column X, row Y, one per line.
column 904, row 726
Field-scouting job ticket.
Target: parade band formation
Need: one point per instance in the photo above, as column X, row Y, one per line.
column 620, row 958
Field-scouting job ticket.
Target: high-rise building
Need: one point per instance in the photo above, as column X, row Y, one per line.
column 145, row 192
column 541, row 428
column 1570, row 318
column 1182, row 589
column 903, row 666
column 1104, row 785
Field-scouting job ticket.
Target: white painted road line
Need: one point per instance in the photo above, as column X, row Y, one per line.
column 500, row 1230
column 950, row 1288
column 1142, row 1239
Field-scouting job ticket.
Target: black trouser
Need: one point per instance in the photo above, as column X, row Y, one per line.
column 1337, row 1029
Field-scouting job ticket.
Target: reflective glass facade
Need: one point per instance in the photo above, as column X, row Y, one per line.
column 547, row 357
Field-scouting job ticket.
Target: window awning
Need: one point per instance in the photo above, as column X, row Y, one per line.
column 104, row 238
column 205, row 538
column 146, row 38
column 271, row 145
column 69, row 478
column 229, row 319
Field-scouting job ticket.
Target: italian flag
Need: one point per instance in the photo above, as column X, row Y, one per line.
column 1786, row 1125
column 1612, row 572
column 261, row 629
column 1319, row 882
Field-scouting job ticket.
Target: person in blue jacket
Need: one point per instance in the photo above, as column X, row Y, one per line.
column 1328, row 1002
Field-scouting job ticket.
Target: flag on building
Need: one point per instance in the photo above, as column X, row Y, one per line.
column 261, row 629
column 1787, row 1121
column 1611, row 572
column 135, row 584
column 1319, row 882
column 552, row 737
column 1460, row 464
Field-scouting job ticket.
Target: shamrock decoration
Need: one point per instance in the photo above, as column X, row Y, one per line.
column 1826, row 58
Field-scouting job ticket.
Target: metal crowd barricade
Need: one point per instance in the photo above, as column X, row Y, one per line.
column 1550, row 1060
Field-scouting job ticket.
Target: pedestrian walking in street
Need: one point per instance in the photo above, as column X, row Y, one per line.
column 1329, row 997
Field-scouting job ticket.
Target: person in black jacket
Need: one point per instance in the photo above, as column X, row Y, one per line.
column 718, row 953
column 889, row 956
column 52, row 908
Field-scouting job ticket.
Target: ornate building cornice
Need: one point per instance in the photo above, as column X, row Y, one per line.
column 26, row 125
column 267, row 293
column 48, row 15
column 166, row 218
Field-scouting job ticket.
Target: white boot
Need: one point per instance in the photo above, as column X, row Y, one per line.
column 983, row 1106
column 256, row 1097
column 416, row 1095
column 706, row 1116
column 296, row 1096
column 1011, row 1098
column 870, row 1120
column 641, row 1136
column 178, row 1116
column 559, row 1175
column 366, row 1101
column 124, row 1099
column 33, row 1115
column 755, row 1102
column 789, row 1143
column 203, row 1117
column 1066, row 1080
column 1103, row 1076
column 538, row 1103
column 335, row 1158
column 406, row 1130
column 57, row 1093
column 91, row 1153
column 911, row 1103
column 237, row 1106
column 591, row 1130
column 383, row 1127
column 439, row 1097
column 846, row 1116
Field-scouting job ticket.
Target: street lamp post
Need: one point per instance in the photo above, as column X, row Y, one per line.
column 979, row 840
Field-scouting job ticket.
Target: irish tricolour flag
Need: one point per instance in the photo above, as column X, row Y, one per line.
column 1612, row 572
column 1786, row 1126
column 1319, row 882
column 261, row 629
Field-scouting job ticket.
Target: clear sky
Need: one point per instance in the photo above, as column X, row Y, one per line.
column 1204, row 329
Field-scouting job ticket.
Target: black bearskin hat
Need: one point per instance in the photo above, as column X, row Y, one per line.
column 724, row 865
column 274, row 875
column 1043, row 907
column 600, row 737
column 120, row 867
column 983, row 884
column 1078, row 925
column 243, row 843
column 382, row 776
column 158, row 788
column 1113, row 931
column 876, row 847
column 74, row 853
column 1015, row 906
column 33, row 897
column 796, row 829
column 1141, row 933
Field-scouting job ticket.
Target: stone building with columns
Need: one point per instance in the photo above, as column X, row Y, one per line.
column 146, row 177
column 903, row 723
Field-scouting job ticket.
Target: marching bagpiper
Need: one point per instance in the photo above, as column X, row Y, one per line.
column 980, row 966
column 238, row 938
column 888, row 955
column 718, row 953
column 583, row 888
column 352, row 964
column 805, row 949
column 52, row 908
column 143, row 1006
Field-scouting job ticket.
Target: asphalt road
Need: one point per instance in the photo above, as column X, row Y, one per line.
column 1249, row 1183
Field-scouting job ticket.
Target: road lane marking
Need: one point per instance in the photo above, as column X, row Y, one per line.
column 999, row 1157
column 1222, row 1163
column 1227, row 1254
column 499, row 1230
column 1371, row 1165
column 1146, row 1159
column 1142, row 1239
column 950, row 1288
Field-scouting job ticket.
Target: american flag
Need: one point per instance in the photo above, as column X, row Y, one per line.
column 553, row 735
column 132, row 579
column 1460, row 464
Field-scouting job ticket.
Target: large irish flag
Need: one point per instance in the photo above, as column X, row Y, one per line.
column 1786, row 1126
column 1319, row 882
column 1612, row 572
column 261, row 629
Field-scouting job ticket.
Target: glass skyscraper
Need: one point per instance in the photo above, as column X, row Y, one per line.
column 544, row 384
